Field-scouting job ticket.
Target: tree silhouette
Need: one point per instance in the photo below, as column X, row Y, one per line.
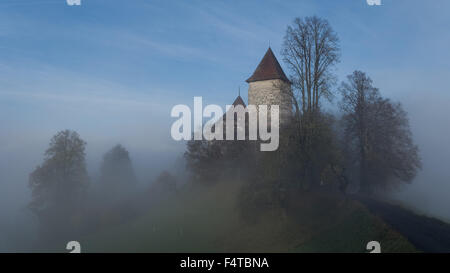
column 60, row 182
column 378, row 134
column 117, row 174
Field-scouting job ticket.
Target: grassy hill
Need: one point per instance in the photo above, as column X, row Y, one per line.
column 207, row 219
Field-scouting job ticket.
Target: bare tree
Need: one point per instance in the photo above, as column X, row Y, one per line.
column 379, row 134
column 311, row 50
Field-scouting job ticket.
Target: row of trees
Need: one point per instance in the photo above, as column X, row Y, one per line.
column 375, row 146
column 60, row 184
column 368, row 145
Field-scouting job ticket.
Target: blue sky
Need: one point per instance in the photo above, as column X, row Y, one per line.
column 157, row 53
column 112, row 70
column 161, row 52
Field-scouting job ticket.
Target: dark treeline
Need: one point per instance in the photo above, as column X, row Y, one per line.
column 69, row 204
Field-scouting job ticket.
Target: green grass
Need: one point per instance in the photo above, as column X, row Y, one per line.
column 194, row 220
column 352, row 233
column 207, row 220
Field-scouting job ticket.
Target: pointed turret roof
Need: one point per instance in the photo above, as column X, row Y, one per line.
column 268, row 69
column 239, row 101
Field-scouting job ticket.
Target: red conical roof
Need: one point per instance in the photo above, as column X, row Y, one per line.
column 268, row 69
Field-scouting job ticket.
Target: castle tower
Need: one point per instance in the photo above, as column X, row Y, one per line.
column 269, row 86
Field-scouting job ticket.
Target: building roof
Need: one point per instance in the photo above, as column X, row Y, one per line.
column 239, row 101
column 268, row 69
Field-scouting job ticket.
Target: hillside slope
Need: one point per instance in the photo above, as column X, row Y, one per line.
column 426, row 233
column 207, row 219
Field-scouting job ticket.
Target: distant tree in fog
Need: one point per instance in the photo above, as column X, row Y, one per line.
column 117, row 174
column 164, row 183
column 203, row 159
column 210, row 161
column 378, row 135
column 60, row 182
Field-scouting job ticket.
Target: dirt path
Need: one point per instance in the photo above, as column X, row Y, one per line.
column 425, row 233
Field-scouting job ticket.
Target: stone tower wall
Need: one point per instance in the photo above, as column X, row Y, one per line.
column 271, row 92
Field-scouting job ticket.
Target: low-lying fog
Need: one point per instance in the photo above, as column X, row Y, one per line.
column 430, row 122
column 44, row 89
column 152, row 150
